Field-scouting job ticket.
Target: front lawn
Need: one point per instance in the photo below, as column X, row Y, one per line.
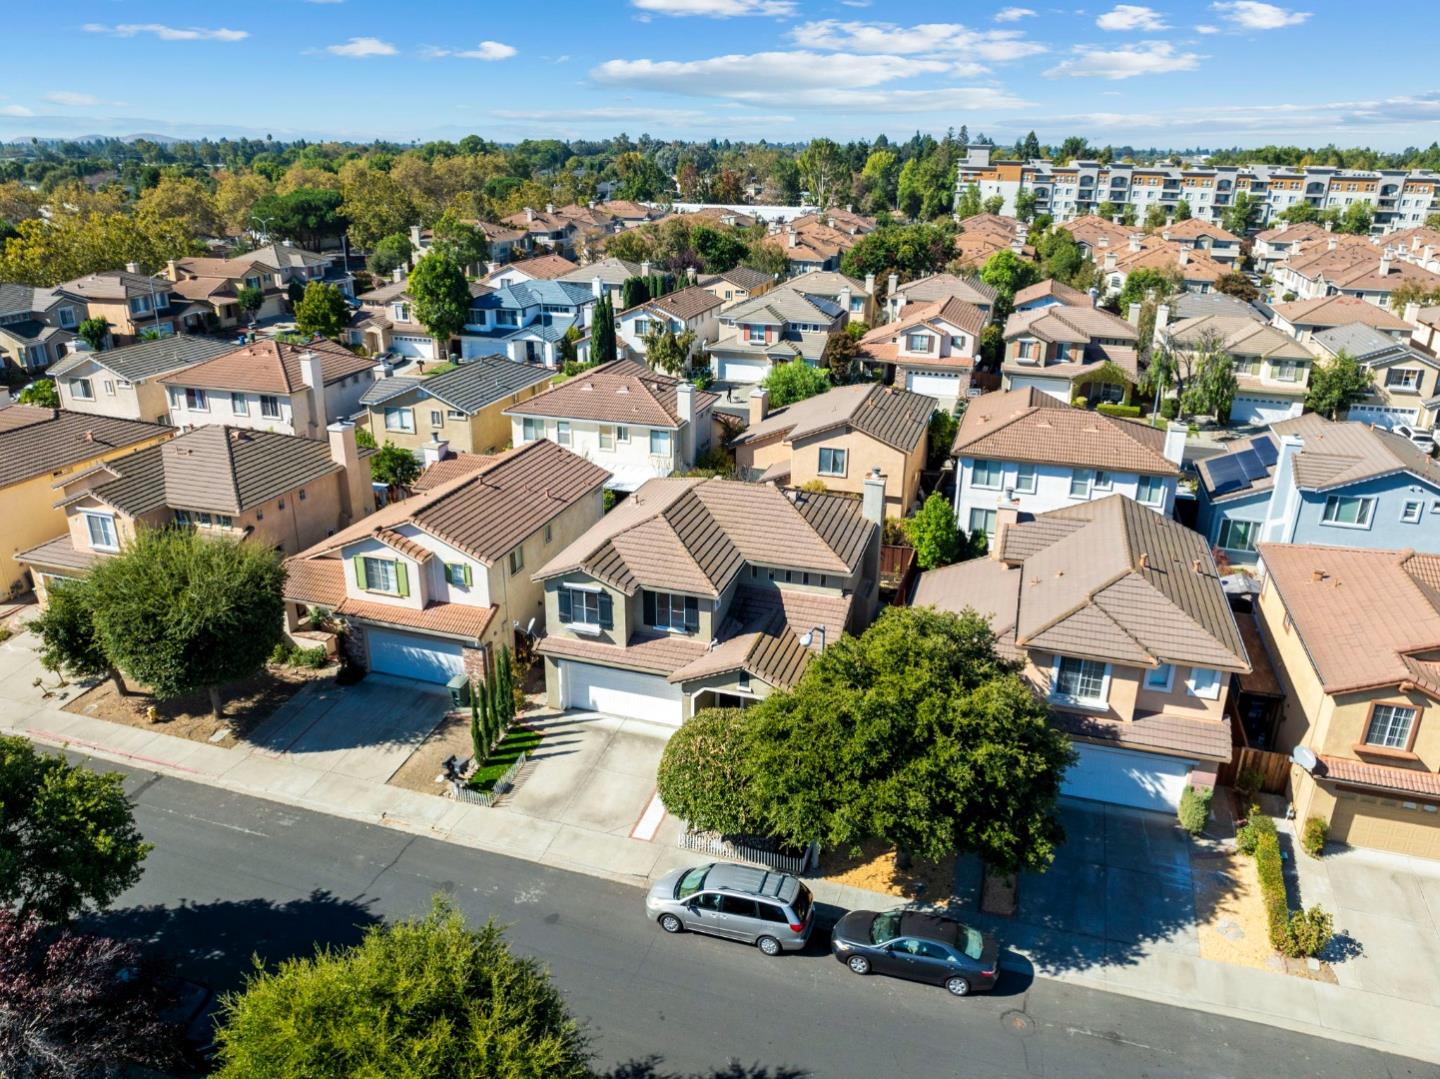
column 517, row 741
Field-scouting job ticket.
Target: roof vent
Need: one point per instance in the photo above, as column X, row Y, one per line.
column 1318, row 576
column 1144, row 561
column 1195, row 565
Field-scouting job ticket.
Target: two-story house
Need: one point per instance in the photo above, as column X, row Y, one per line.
column 278, row 491
column 37, row 326
column 527, row 322
column 1303, row 319
column 131, row 302
column 271, row 386
column 461, row 410
column 931, row 348
column 781, row 326
column 1049, row 293
column 697, row 593
column 1120, row 620
column 1060, row 349
column 612, row 272
column 385, row 323
column 546, row 230
column 125, row 381
column 1309, row 480
column 636, row 423
column 1405, row 382
column 857, row 298
column 431, row 586
column 1272, row 369
column 212, row 286
column 1354, row 636
column 547, row 267
column 1023, row 450
column 291, row 265
column 1220, row 244
column 505, row 243
column 687, row 310
column 736, row 285
column 840, row 438
column 940, row 286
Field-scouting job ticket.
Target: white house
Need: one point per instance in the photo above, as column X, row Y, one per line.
column 694, row 310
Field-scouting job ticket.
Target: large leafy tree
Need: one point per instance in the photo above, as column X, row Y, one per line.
column 442, row 297
column 185, row 201
column 823, row 170
column 933, row 533
column 840, row 356
column 1008, row 273
column 427, row 998
column 68, row 839
column 374, row 203
column 322, row 310
column 66, row 628
column 1240, row 215
column 719, row 249
column 667, row 351
column 394, row 466
column 389, row 254
column 1337, row 384
column 1142, row 283
column 461, row 240
column 41, row 392
column 94, row 331
column 794, row 381
column 916, row 733
column 702, row 775
column 1212, row 389
column 308, row 215
column 180, row 612
column 908, row 250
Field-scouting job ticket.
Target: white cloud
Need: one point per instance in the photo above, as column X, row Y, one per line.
column 73, row 98
column 1205, row 29
column 1145, row 58
column 166, row 33
column 856, row 3
column 1131, row 17
column 15, row 110
column 486, row 50
column 717, row 9
column 743, row 74
column 1252, row 15
column 1014, row 14
column 359, row 48
column 924, row 39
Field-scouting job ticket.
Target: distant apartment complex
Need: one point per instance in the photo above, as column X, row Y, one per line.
column 1399, row 198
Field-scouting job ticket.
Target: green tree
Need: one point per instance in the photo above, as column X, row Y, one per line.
column 908, row 250
column 1299, row 214
column 442, row 298
column 94, row 332
column 394, row 466
column 1212, row 389
column 1182, row 210
column 1238, row 285
column 1155, row 218
column 933, row 533
column 1356, row 219
column 308, row 215
column 823, row 170
column 916, row 733
column 42, row 393
column 1030, row 148
column 719, row 249
column 179, row 612
column 943, row 425
column 249, row 299
column 1008, row 273
column 68, row 840
column 702, row 775
column 880, row 176
column 461, row 240
column 634, row 291
column 840, row 357
column 1108, row 210
column 66, row 628
column 993, row 205
column 794, row 381
column 767, row 257
column 1432, row 221
column 424, row 998
column 602, row 331
column 375, row 204
column 667, row 351
column 1337, row 384
column 322, row 310
column 479, row 744
column 390, row 254
column 1408, row 292
column 967, row 203
column 1240, row 215
column 1141, row 283
column 1025, row 202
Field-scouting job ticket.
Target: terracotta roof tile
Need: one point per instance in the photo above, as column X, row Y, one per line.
column 448, row 619
column 269, row 367
column 1399, row 780
column 621, row 392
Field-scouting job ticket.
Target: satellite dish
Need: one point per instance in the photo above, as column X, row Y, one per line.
column 1304, row 757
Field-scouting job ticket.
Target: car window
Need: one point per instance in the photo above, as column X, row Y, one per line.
column 923, row 949
column 885, row 927
column 801, row 904
column 970, row 941
column 737, row 905
column 769, row 912
column 708, row 900
column 691, row 882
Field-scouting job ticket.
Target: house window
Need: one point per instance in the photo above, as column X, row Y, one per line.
column 270, row 406
column 982, row 521
column 660, row 443
column 641, row 327
column 531, row 429
column 755, row 334
column 547, row 533
column 607, row 437
column 1103, row 480
column 562, row 432
column 917, row 342
column 437, row 418
column 1349, row 511
column 1150, row 490
column 988, row 474
column 239, row 404
column 1238, row 535
column 1399, row 379
column 457, row 574
column 109, row 387
column 671, row 611
column 1411, row 512
column 517, row 560
column 1390, row 726
column 1080, row 681
column 1080, row 481
column 832, row 461
column 81, row 389
column 379, row 575
column 1285, row 371
column 196, row 400
column 622, row 434
column 742, row 680
column 1161, row 679
column 585, row 607
column 1203, row 682
column 67, row 318
column 102, row 531
column 454, row 414
column 1025, row 480
column 399, row 419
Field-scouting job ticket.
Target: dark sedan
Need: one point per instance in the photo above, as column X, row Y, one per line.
column 919, row 946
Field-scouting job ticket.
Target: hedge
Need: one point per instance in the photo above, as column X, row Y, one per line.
column 1271, row 870
column 1108, row 409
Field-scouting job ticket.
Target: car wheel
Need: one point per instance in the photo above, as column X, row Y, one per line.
column 859, row 964
column 670, row 923
column 958, row 986
column 768, row 945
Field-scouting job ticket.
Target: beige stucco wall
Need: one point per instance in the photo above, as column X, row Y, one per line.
column 520, row 597
column 487, row 431
column 862, row 453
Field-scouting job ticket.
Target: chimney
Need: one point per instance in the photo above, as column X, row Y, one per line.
column 1134, row 240
column 690, row 274
column 415, row 237
column 893, row 285
column 759, row 404
column 1094, row 296
column 1005, row 518
column 549, row 207
column 685, row 401
column 1427, row 253
column 311, row 376
column 1174, row 450
column 873, row 500
column 1133, row 315
column 597, row 287
column 398, row 274
column 172, row 271
column 434, row 451
column 1412, row 313
column 645, row 268
column 529, row 214
column 1183, row 257
column 356, row 496
column 844, row 299
column 1165, row 234
column 1162, row 319
column 870, row 284
column 491, row 267
column 1104, row 240
column 791, row 240
column 1109, row 261
column 1283, row 226
column 1385, row 263
column 132, row 267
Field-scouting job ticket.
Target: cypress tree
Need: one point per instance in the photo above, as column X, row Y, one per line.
column 507, row 685
column 477, row 723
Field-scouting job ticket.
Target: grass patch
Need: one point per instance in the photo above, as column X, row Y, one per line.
column 517, row 740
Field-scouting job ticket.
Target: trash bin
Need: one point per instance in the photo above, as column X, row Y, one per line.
column 459, row 688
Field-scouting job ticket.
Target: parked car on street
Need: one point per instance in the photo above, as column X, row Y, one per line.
column 919, row 946
column 770, row 910
column 1422, row 438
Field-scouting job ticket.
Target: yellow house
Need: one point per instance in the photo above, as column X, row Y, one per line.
column 40, row 446
column 838, row 438
column 131, row 302
column 1354, row 636
column 463, row 408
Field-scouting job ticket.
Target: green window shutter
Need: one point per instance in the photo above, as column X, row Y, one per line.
column 402, row 578
column 359, row 561
column 465, row 569
column 607, row 611
column 563, row 597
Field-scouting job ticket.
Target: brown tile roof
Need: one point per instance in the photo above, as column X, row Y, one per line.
column 543, row 267
column 1241, row 336
column 269, row 367
column 741, row 277
column 447, row 619
column 656, row 653
column 687, row 303
column 948, row 309
column 1076, row 325
column 1339, row 454
column 59, row 553
column 230, row 469
column 404, row 544
column 1192, row 228
column 452, row 467
column 1072, row 297
column 315, row 580
column 1358, row 613
column 1338, row 311
column 1028, row 425
column 622, row 392
column 897, row 418
column 942, row 286
column 1293, row 233
column 1164, row 732
column 1399, row 780
column 41, row 444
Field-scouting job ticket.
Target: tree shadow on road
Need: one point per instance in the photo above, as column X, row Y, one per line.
column 651, row 1068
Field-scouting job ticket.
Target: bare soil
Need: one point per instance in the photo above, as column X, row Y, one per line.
column 874, row 869
column 1229, row 907
column 451, row 737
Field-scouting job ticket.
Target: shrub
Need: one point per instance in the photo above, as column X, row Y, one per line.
column 1271, row 871
column 280, row 654
column 1314, row 836
column 1195, row 808
column 702, row 777
column 1079, row 401
column 1308, row 932
column 1248, row 783
column 1128, row 411
column 311, row 658
column 1170, row 408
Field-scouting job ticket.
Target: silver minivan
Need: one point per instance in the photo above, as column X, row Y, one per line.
column 770, row 910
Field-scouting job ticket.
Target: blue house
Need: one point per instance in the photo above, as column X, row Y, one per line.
column 1309, row 480
column 526, row 322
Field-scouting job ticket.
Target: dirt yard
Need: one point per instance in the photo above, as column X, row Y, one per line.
column 1229, row 908
column 874, row 869
column 245, row 704
column 451, row 737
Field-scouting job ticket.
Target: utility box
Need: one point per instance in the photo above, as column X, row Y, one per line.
column 459, row 688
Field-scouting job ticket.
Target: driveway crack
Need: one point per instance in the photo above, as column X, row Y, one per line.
column 387, row 867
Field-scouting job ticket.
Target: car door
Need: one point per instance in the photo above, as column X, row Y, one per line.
column 923, row 960
column 738, row 917
column 702, row 914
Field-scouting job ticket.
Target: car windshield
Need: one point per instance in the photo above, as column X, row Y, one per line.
column 969, row 941
column 691, row 882
column 885, row 927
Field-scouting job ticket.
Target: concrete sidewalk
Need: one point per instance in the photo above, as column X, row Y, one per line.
column 1158, row 970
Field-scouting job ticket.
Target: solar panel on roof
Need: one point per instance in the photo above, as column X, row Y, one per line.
column 1225, row 475
column 1266, row 450
column 1250, row 465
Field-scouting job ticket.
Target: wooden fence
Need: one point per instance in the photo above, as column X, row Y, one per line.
column 897, row 568
column 1274, row 767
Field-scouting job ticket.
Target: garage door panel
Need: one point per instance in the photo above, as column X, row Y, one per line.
column 744, row 370
column 1263, row 410
column 945, row 387
column 622, row 693
column 1382, row 416
column 416, row 347
column 1120, row 777
column 1390, row 824
column 1052, row 387
column 409, row 655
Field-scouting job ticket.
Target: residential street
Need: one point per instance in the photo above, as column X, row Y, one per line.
column 231, row 876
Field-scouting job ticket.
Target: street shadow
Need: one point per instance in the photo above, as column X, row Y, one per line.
column 1017, row 974
column 215, row 943
column 380, row 713
column 651, row 1068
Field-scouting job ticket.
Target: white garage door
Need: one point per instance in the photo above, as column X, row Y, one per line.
column 474, row 347
column 1056, row 388
column 621, row 693
column 1120, row 777
column 940, row 387
column 1381, row 416
column 421, row 348
column 744, row 370
column 408, row 655
column 1263, row 410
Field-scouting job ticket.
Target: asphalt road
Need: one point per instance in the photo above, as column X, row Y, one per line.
column 233, row 876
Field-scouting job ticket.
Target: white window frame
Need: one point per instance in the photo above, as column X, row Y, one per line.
column 582, row 601
column 239, row 404
column 1226, row 532
column 267, row 411
column 1101, row 702
column 562, row 432
column 1085, row 477
column 988, row 523
column 196, row 400
column 76, row 385
column 1405, row 386
column 1103, row 480
column 607, row 436
column 1194, row 687
column 1027, row 479
column 755, row 335
column 1334, row 502
column 405, row 420
column 923, row 346
column 1154, row 484
column 437, row 417
column 380, row 575
column 666, row 443
column 66, row 315
column 1166, row 682
column 994, row 468
column 1391, row 711
column 1411, row 511
column 832, row 470
column 531, row 429
column 109, row 535
column 622, row 434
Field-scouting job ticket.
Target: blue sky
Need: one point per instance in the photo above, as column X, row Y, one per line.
column 1171, row 74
